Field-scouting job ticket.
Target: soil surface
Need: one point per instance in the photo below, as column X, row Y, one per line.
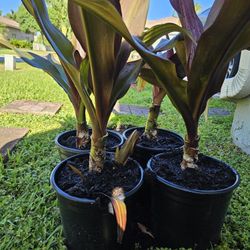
column 210, row 175
column 164, row 140
column 92, row 184
column 70, row 142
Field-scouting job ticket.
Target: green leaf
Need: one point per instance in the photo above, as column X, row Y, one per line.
column 164, row 44
column 148, row 75
column 127, row 76
column 102, row 62
column 65, row 52
column 134, row 13
column 158, row 31
column 85, row 70
column 28, row 6
column 178, row 44
column 122, row 154
column 45, row 63
column 58, row 41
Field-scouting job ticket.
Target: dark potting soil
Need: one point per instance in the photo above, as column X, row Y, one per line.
column 92, row 184
column 70, row 142
column 210, row 175
column 164, row 140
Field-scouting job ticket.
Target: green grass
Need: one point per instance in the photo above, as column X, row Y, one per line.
column 4, row 51
column 28, row 211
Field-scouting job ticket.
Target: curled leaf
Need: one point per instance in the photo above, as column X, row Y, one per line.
column 76, row 171
column 122, row 154
column 120, row 212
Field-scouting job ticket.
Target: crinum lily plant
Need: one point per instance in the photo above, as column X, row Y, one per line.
column 158, row 93
column 204, row 52
column 96, row 63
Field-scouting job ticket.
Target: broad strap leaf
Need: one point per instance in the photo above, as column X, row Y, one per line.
column 77, row 22
column 28, row 6
column 65, row 51
column 45, row 63
column 190, row 21
column 178, row 43
column 126, row 77
column 213, row 55
column 153, row 34
column 58, row 41
column 134, row 13
column 213, row 13
column 100, row 48
column 148, row 75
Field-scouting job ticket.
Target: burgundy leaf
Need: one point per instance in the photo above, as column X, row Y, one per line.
column 191, row 22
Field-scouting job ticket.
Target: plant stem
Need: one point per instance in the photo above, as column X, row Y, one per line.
column 191, row 150
column 151, row 124
column 158, row 95
column 97, row 153
column 82, row 130
column 82, row 135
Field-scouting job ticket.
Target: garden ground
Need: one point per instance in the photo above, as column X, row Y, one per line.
column 29, row 217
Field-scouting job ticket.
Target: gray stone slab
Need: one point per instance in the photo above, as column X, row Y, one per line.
column 9, row 137
column 218, row 112
column 132, row 110
column 32, row 107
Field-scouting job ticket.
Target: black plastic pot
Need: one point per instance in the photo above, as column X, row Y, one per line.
column 66, row 152
column 183, row 217
column 88, row 223
column 143, row 154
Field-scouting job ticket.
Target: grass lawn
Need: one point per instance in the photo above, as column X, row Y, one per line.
column 4, row 51
column 29, row 217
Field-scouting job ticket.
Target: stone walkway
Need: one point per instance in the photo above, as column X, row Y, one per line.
column 218, row 112
column 9, row 137
column 31, row 107
column 125, row 109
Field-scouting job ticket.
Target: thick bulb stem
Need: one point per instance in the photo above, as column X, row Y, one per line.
column 82, row 135
column 151, row 124
column 191, row 151
column 97, row 154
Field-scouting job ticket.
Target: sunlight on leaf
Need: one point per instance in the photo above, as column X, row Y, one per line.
column 120, row 212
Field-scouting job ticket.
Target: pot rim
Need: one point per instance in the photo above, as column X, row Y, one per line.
column 60, row 192
column 157, row 150
column 80, row 151
column 197, row 191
